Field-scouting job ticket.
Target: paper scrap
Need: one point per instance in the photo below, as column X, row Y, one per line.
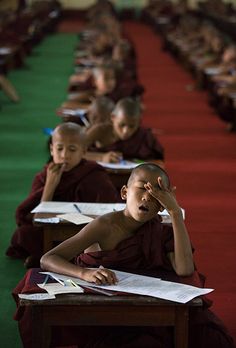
column 52, row 220
column 56, row 288
column 37, row 296
column 75, row 218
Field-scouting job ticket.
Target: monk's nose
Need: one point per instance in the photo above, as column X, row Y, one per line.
column 64, row 154
column 126, row 131
column 146, row 196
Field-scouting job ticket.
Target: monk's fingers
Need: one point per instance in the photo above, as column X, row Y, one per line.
column 115, row 157
column 153, row 191
column 148, row 186
column 104, row 276
column 62, row 167
column 56, row 167
column 162, row 185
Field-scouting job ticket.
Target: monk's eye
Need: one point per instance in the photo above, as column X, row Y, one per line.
column 72, row 149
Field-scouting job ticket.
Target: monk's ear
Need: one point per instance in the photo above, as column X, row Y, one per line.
column 123, row 192
column 112, row 117
column 51, row 149
column 84, row 146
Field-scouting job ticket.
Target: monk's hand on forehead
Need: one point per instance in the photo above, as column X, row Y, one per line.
column 158, row 185
column 164, row 194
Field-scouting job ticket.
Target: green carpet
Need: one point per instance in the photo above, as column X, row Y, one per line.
column 42, row 85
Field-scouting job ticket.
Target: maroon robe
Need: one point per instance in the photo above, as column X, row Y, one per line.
column 143, row 144
column 87, row 182
column 145, row 253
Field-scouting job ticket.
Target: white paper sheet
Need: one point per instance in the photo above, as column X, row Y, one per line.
column 85, row 208
column 52, row 220
column 121, row 165
column 143, row 285
column 37, row 296
column 95, row 209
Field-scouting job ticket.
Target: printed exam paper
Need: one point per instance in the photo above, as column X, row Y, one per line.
column 143, row 285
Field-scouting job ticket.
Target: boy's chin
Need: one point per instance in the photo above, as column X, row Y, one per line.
column 67, row 169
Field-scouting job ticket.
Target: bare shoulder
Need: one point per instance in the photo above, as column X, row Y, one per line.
column 107, row 224
column 105, row 220
column 98, row 132
column 101, row 223
column 99, row 128
column 103, row 233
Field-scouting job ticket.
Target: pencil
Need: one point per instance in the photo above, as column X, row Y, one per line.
column 46, row 280
column 57, row 279
column 73, row 283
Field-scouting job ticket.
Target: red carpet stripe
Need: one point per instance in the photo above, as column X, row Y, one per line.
column 201, row 159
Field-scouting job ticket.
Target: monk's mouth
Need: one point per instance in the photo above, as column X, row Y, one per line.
column 143, row 208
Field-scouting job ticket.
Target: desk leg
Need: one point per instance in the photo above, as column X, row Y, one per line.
column 41, row 333
column 181, row 327
column 47, row 239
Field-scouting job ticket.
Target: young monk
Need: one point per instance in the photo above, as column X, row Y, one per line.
column 104, row 83
column 123, row 137
column 135, row 240
column 68, row 177
column 96, row 112
column 99, row 111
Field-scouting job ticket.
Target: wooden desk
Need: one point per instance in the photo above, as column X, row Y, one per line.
column 93, row 310
column 55, row 232
column 119, row 177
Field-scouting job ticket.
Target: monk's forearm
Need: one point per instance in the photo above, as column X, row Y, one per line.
column 183, row 258
column 57, row 264
column 94, row 156
column 48, row 193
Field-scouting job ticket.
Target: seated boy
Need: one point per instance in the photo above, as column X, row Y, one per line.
column 123, row 137
column 106, row 83
column 68, row 177
column 134, row 240
column 99, row 111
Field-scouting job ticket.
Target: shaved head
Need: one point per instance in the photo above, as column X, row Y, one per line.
column 149, row 168
column 69, row 129
column 128, row 106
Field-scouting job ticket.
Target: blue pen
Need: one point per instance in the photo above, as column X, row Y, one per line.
column 84, row 120
column 122, row 161
column 77, row 208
